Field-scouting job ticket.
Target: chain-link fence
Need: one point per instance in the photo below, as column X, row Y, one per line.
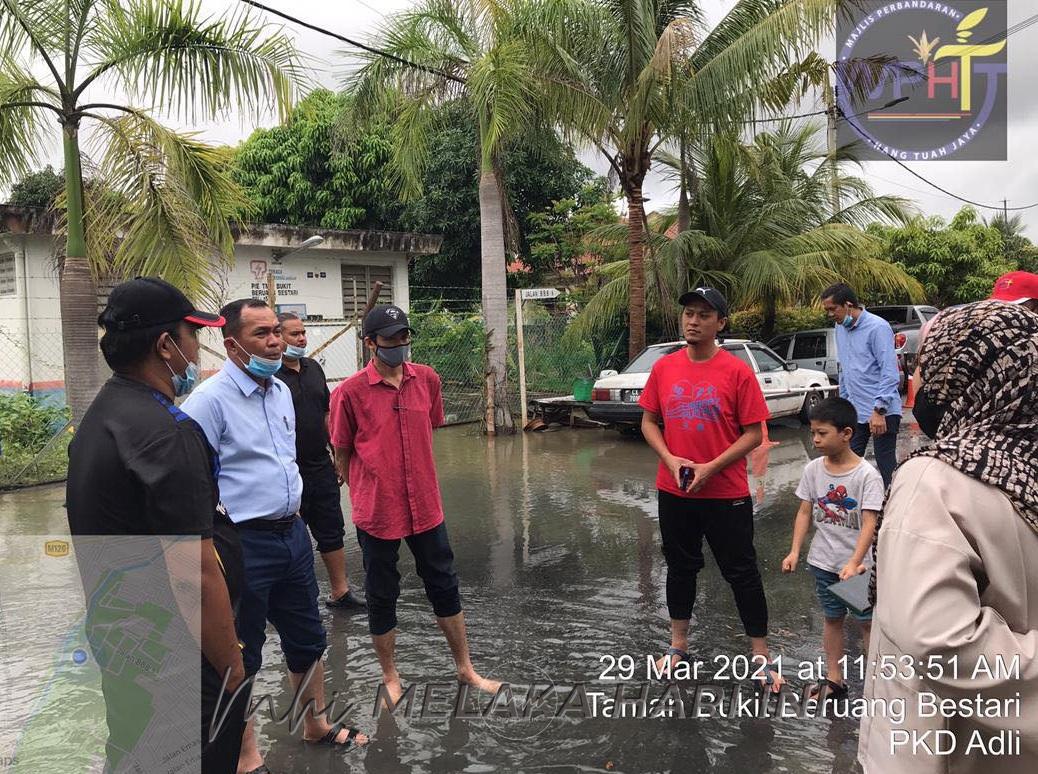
column 34, row 431
column 450, row 338
column 34, row 428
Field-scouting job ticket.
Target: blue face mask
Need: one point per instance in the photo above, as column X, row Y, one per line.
column 260, row 367
column 293, row 352
column 183, row 384
column 848, row 322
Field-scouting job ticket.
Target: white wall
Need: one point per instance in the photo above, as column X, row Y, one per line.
column 298, row 279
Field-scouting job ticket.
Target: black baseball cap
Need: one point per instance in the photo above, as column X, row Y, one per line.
column 712, row 296
column 148, row 302
column 385, row 321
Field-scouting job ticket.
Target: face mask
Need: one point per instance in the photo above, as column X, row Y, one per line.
column 260, row 367
column 929, row 415
column 293, row 352
column 393, row 356
column 848, row 322
column 182, row 385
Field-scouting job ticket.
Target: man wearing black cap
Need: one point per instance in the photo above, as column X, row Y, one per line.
column 139, row 466
column 711, row 406
column 381, row 423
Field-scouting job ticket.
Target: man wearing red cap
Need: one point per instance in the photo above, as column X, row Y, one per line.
column 1017, row 287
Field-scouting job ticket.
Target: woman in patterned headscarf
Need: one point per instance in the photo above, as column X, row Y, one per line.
column 957, row 555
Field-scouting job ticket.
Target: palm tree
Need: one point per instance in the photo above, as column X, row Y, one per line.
column 442, row 51
column 156, row 201
column 615, row 73
column 763, row 228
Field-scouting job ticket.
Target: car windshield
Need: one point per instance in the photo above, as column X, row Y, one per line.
column 644, row 362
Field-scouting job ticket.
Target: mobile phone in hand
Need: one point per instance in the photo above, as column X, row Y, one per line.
column 685, row 478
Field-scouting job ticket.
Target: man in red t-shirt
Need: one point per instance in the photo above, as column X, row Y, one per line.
column 381, row 421
column 712, row 408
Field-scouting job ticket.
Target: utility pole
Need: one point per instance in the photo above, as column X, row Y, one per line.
column 830, row 137
column 1005, row 228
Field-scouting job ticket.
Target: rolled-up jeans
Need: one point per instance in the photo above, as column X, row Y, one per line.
column 884, row 445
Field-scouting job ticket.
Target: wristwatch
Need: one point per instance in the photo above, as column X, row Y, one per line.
column 880, row 410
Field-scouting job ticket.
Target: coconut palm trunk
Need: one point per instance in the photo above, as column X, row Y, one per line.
column 636, row 252
column 77, row 291
column 494, row 292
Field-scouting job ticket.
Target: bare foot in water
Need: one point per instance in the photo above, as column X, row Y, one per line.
column 482, row 683
column 393, row 688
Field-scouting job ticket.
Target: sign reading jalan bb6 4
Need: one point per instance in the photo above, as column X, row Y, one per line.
column 944, row 64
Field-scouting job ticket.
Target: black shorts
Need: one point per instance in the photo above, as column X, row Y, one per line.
column 321, row 507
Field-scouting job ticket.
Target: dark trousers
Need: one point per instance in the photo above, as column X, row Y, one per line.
column 321, row 507
column 434, row 561
column 280, row 586
column 727, row 526
column 220, row 756
column 884, row 445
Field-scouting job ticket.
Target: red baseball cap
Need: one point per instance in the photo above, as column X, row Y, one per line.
column 1016, row 287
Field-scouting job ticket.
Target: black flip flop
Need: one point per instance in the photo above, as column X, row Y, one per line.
column 261, row 769
column 348, row 602
column 329, row 739
column 833, row 691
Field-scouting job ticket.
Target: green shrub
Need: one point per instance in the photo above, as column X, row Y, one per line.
column 748, row 323
column 450, row 343
column 27, row 423
column 800, row 319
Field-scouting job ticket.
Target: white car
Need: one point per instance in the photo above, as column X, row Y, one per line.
column 788, row 389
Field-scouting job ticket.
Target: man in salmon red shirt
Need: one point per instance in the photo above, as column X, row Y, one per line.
column 381, row 421
column 711, row 406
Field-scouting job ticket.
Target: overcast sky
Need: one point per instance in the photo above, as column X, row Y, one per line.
column 990, row 182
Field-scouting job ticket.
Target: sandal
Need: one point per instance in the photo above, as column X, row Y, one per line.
column 261, row 769
column 333, row 734
column 773, row 679
column 671, row 665
column 833, row 691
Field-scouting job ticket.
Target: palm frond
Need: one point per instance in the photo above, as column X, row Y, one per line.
column 169, row 54
column 160, row 204
column 22, row 122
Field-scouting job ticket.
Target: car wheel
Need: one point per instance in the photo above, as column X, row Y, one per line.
column 811, row 400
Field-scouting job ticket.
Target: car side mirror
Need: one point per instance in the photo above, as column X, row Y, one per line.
column 792, row 366
column 608, row 372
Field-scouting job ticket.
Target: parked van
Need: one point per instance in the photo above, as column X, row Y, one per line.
column 816, row 349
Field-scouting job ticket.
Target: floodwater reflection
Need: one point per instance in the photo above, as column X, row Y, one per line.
column 557, row 547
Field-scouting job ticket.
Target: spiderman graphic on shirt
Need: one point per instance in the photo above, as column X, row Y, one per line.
column 836, row 506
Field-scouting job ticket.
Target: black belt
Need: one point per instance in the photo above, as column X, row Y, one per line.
column 269, row 525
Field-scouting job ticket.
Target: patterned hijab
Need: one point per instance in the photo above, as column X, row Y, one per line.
column 981, row 362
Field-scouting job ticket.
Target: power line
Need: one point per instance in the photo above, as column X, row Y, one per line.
column 946, row 192
column 357, row 44
column 379, row 52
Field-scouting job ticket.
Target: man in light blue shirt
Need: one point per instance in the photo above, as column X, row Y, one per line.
column 868, row 374
column 249, row 418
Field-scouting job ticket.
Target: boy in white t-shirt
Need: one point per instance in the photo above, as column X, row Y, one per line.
column 842, row 494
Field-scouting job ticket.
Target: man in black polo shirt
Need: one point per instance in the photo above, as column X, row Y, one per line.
column 140, row 467
column 321, row 506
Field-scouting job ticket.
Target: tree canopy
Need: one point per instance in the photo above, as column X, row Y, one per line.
column 956, row 262
column 38, row 189
column 313, row 171
column 538, row 171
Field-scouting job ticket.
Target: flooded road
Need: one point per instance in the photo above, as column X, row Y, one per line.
column 557, row 548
